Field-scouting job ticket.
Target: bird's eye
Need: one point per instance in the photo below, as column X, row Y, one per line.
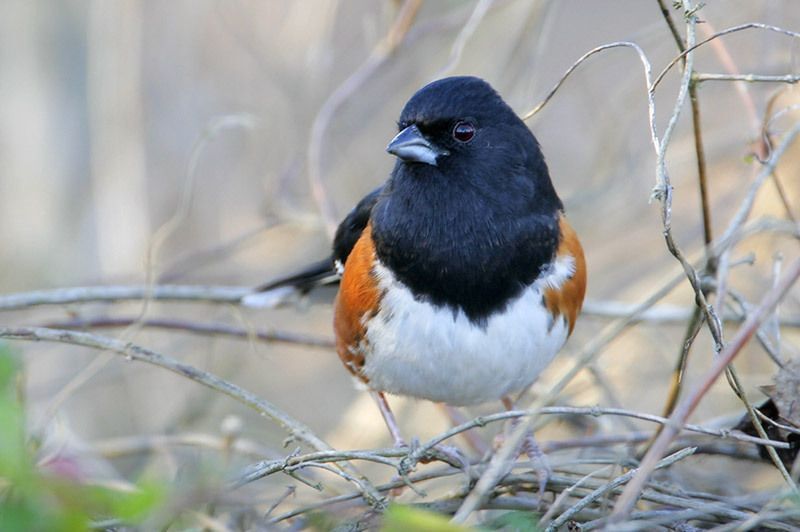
column 463, row 131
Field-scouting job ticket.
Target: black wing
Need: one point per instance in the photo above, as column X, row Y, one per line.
column 325, row 271
column 352, row 226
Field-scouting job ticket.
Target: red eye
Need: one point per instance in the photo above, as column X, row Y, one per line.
column 463, row 132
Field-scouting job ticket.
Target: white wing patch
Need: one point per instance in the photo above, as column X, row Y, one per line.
column 270, row 298
column 414, row 348
column 560, row 271
column 337, row 264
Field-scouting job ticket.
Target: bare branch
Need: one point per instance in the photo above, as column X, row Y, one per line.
column 481, row 8
column 733, row 29
column 209, row 329
column 131, row 351
column 752, row 78
column 379, row 55
column 134, row 352
column 622, row 479
column 687, row 405
column 90, row 294
column 621, row 44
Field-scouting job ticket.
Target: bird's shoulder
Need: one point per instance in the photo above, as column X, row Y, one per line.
column 352, row 227
column 565, row 297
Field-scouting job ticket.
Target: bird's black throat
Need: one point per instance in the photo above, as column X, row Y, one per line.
column 464, row 247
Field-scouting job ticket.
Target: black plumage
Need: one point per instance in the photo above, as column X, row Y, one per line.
column 472, row 229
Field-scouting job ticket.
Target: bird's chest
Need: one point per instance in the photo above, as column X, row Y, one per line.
column 414, row 348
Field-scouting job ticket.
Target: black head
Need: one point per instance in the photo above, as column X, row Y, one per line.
column 461, row 128
column 439, row 107
column 469, row 216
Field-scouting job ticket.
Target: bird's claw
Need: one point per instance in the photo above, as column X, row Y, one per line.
column 445, row 453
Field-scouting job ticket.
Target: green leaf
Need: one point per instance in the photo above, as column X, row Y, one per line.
column 33, row 500
column 514, row 521
column 15, row 462
column 135, row 506
column 9, row 366
column 400, row 518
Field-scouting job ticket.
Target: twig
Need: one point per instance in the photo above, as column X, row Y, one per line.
column 787, row 428
column 676, row 381
column 131, row 445
column 475, row 18
column 765, row 342
column 134, row 352
column 663, row 189
column 733, row 29
column 686, row 407
column 744, row 210
column 620, row 44
column 397, row 483
column 726, row 59
column 770, row 519
column 89, row 294
column 210, row 329
column 567, row 493
column 131, row 351
column 622, row 479
column 595, row 412
column 379, row 55
column 730, row 509
column 665, row 314
column 698, row 137
column 737, row 387
column 267, row 467
column 700, row 77
column 765, row 143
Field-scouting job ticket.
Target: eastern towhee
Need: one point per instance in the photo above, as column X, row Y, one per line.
column 460, row 276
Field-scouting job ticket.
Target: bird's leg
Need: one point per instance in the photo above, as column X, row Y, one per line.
column 532, row 449
column 448, row 454
column 394, row 430
column 388, row 417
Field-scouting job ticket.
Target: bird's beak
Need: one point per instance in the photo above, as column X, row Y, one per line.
column 410, row 145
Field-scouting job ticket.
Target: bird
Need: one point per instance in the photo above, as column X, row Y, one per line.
column 460, row 278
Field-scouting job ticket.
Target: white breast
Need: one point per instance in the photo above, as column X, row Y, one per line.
column 413, row 348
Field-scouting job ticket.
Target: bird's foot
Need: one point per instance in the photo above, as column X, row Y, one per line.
column 417, row 455
column 531, row 449
column 445, row 453
column 539, row 459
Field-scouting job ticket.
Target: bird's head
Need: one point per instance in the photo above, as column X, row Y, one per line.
column 459, row 119
column 461, row 129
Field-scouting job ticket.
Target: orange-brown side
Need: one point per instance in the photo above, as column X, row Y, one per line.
column 357, row 301
column 568, row 300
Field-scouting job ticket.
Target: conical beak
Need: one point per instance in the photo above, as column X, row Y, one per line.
column 410, row 145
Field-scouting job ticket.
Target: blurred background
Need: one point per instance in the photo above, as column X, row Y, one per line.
column 192, row 132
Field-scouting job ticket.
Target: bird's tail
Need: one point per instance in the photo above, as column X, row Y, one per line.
column 291, row 287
